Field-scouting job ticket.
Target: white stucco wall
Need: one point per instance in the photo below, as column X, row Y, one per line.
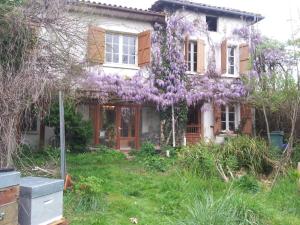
column 111, row 24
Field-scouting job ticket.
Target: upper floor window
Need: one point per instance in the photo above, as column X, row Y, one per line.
column 120, row 48
column 212, row 23
column 192, row 56
column 231, row 64
column 229, row 117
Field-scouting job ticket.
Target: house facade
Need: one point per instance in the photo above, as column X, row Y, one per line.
column 119, row 42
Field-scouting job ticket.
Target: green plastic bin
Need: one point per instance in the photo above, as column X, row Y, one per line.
column 277, row 139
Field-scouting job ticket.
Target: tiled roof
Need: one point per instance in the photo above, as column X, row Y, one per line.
column 160, row 4
column 116, row 7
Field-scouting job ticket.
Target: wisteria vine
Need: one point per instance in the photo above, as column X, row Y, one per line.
column 165, row 81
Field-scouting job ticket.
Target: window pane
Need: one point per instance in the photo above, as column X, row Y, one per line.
column 108, row 47
column 125, row 40
column 132, row 59
column 116, row 38
column 108, row 57
column 223, row 125
column 223, row 116
column 116, row 58
column 231, row 126
column 125, row 59
column 131, row 41
column 231, row 70
column 231, row 108
column 116, row 48
column 125, row 49
column 231, row 117
column 231, row 51
column 108, row 38
column 223, row 108
column 132, row 50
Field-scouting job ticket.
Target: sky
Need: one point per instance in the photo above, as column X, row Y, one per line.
column 281, row 17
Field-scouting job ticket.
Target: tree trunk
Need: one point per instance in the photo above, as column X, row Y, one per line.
column 267, row 124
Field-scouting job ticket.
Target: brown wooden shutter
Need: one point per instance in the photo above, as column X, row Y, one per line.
column 96, row 45
column 186, row 49
column 217, row 119
column 244, row 58
column 246, row 119
column 224, row 57
column 144, row 48
column 200, row 56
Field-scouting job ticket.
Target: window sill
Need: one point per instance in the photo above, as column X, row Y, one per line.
column 230, row 75
column 193, row 73
column 121, row 66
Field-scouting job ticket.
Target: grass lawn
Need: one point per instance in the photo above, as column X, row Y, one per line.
column 170, row 197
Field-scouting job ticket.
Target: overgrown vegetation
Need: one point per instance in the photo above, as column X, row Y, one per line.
column 240, row 154
column 77, row 130
column 128, row 189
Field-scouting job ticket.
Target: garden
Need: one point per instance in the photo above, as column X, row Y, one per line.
column 145, row 187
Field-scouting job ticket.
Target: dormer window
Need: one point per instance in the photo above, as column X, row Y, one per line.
column 212, row 23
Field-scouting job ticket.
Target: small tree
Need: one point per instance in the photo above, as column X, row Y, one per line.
column 78, row 131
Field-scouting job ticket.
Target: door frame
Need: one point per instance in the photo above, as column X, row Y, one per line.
column 137, row 118
column 194, row 137
column 95, row 116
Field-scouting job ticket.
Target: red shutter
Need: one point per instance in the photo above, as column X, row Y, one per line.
column 144, row 48
column 200, row 56
column 224, row 57
column 244, row 59
column 246, row 119
column 96, row 45
column 217, row 119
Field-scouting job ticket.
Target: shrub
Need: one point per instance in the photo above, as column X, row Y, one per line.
column 89, row 193
column 247, row 183
column 228, row 209
column 78, row 131
column 199, row 159
column 147, row 149
column 155, row 163
column 250, row 153
column 242, row 152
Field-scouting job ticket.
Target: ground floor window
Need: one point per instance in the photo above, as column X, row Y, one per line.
column 230, row 117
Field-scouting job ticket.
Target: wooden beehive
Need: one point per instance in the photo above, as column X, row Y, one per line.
column 9, row 194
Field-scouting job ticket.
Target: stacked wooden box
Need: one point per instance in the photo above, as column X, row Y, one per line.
column 9, row 194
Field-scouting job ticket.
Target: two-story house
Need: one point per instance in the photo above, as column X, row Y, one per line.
column 119, row 42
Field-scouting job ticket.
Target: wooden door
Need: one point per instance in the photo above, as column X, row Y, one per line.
column 193, row 128
column 127, row 126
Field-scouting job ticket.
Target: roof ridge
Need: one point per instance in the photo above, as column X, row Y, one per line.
column 211, row 7
column 88, row 2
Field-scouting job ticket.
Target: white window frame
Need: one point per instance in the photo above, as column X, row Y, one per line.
column 235, row 62
column 237, row 117
column 191, row 51
column 120, row 37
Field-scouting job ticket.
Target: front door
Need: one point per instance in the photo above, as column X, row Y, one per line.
column 193, row 128
column 127, row 127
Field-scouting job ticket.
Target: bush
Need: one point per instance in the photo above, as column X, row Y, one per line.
column 155, row 163
column 247, row 183
column 147, row 149
column 226, row 210
column 250, row 153
column 78, row 131
column 199, row 159
column 238, row 153
column 89, row 193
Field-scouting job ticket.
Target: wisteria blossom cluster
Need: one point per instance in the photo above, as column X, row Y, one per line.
column 266, row 54
column 165, row 82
